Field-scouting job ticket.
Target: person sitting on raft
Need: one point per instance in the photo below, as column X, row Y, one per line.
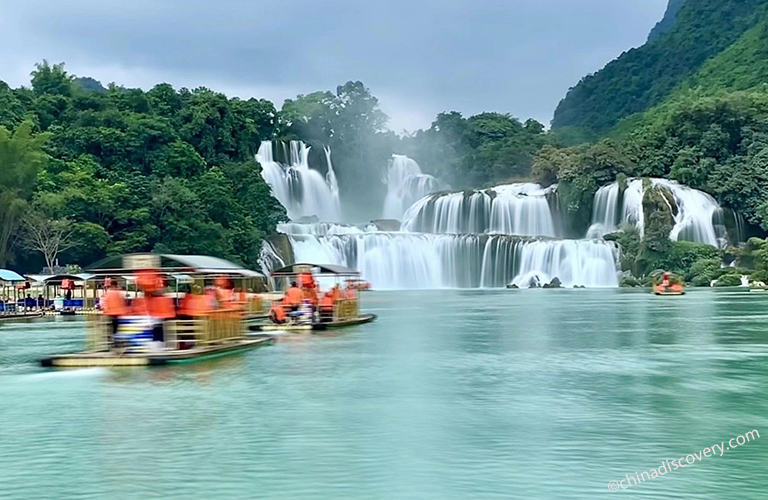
column 665, row 281
column 277, row 313
column 293, row 297
column 326, row 308
column 336, row 293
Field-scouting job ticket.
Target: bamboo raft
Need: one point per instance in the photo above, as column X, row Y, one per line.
column 152, row 358
column 219, row 333
column 20, row 316
column 668, row 293
column 365, row 318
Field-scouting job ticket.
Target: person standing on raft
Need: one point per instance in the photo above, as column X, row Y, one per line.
column 114, row 307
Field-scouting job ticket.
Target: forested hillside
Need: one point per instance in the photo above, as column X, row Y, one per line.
column 644, row 77
column 119, row 170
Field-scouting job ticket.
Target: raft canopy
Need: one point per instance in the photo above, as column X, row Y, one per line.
column 181, row 265
column 315, row 269
column 10, row 276
column 56, row 279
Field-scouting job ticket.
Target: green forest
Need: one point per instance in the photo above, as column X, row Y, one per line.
column 102, row 170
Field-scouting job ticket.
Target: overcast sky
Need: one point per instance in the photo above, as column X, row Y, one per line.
column 419, row 57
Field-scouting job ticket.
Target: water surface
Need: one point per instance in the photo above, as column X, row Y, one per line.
column 526, row 394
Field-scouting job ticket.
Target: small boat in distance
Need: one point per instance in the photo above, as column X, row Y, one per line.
column 182, row 308
column 669, row 284
column 304, row 307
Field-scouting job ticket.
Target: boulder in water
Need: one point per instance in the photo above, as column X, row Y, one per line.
column 534, row 283
column 555, row 283
column 512, row 286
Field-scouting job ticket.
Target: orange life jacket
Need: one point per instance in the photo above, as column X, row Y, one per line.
column 336, row 294
column 161, row 307
column 306, row 280
column 326, row 302
column 194, row 305
column 139, row 307
column 294, row 295
column 311, row 295
column 114, row 303
column 278, row 311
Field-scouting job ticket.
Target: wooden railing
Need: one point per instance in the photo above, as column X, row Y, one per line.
column 97, row 332
column 214, row 328
column 254, row 306
column 346, row 309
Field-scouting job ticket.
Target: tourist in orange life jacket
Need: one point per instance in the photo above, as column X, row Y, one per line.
column 277, row 313
column 311, row 295
column 336, row 293
column 139, row 307
column 326, row 308
column 306, row 280
column 194, row 304
column 113, row 306
column 294, row 296
column 351, row 292
column 224, row 292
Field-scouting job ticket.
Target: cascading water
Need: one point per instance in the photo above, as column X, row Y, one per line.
column 479, row 239
column 515, row 209
column 301, row 190
column 322, row 229
column 410, row 261
column 406, row 184
column 696, row 213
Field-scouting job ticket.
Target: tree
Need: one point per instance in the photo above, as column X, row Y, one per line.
column 51, row 80
column 48, row 236
column 21, row 159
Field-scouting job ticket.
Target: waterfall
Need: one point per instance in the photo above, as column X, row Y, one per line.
column 515, row 209
column 406, row 184
column 301, row 190
column 696, row 214
column 394, row 260
column 323, row 228
column 584, row 263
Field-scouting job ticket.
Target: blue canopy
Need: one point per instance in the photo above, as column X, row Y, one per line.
column 10, row 276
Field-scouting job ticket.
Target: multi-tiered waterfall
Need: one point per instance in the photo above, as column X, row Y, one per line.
column 476, row 239
column 301, row 190
column 698, row 217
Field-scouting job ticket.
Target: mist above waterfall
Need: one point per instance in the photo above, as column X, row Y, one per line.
column 406, row 184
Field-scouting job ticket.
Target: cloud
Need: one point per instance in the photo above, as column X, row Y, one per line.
column 418, row 56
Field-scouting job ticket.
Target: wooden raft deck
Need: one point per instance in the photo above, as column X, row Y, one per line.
column 366, row 318
column 153, row 358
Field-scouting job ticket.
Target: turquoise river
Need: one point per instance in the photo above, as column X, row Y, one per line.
column 450, row 395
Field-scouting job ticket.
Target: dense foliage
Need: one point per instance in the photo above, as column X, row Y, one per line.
column 643, row 77
column 485, row 149
column 164, row 170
